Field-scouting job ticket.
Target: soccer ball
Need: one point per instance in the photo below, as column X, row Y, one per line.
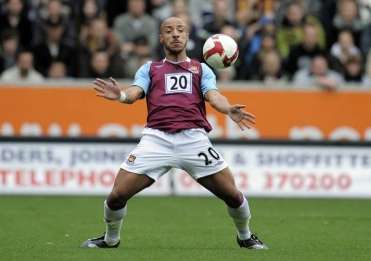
column 220, row 51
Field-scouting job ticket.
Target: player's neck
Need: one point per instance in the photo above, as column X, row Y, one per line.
column 176, row 58
column 187, row 59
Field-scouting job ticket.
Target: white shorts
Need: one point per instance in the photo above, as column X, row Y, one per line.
column 189, row 150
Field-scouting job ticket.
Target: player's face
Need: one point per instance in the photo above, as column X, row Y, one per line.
column 174, row 35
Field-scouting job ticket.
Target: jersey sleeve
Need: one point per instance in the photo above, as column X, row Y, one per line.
column 141, row 78
column 208, row 80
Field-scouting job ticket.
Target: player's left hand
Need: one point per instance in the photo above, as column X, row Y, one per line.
column 243, row 118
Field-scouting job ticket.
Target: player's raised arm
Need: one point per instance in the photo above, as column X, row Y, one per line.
column 111, row 90
column 236, row 112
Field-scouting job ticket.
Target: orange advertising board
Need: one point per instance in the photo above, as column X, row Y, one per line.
column 281, row 114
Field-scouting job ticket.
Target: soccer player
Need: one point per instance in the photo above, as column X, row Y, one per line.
column 176, row 89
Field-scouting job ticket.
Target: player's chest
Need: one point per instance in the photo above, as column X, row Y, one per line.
column 175, row 82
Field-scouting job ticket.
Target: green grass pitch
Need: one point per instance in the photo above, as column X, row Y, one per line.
column 185, row 228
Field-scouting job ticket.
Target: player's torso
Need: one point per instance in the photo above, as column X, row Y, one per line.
column 175, row 84
column 174, row 99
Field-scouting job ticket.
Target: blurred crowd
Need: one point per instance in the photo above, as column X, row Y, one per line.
column 305, row 42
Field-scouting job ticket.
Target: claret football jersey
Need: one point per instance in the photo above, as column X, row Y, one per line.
column 175, row 94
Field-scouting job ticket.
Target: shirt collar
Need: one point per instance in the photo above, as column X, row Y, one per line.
column 170, row 61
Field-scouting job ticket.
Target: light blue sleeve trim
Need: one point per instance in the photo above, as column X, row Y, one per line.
column 142, row 78
column 208, row 80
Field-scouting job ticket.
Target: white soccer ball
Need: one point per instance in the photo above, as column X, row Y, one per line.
column 220, row 51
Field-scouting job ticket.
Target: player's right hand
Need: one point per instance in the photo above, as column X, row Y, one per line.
column 107, row 89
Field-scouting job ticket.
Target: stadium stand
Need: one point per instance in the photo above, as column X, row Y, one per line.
column 277, row 39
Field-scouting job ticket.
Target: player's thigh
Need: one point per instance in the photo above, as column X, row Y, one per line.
column 127, row 184
column 222, row 185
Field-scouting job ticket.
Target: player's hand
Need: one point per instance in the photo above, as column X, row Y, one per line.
column 327, row 83
column 107, row 89
column 243, row 118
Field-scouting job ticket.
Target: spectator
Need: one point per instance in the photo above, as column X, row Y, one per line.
column 347, row 17
column 353, row 71
column 251, row 70
column 252, row 38
column 53, row 48
column 311, row 7
column 343, row 49
column 203, row 11
column 179, row 7
column 344, row 46
column 9, row 48
column 99, row 66
column 254, row 24
column 160, row 9
column 271, row 68
column 244, row 18
column 197, row 9
column 99, row 38
column 133, row 24
column 300, row 55
column 15, row 18
column 219, row 17
column 269, row 7
column 140, row 55
column 23, row 71
column 89, row 10
column 261, row 28
column 57, row 71
column 318, row 75
column 54, row 13
column 291, row 30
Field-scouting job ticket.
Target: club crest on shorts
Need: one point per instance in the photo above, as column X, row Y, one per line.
column 131, row 159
